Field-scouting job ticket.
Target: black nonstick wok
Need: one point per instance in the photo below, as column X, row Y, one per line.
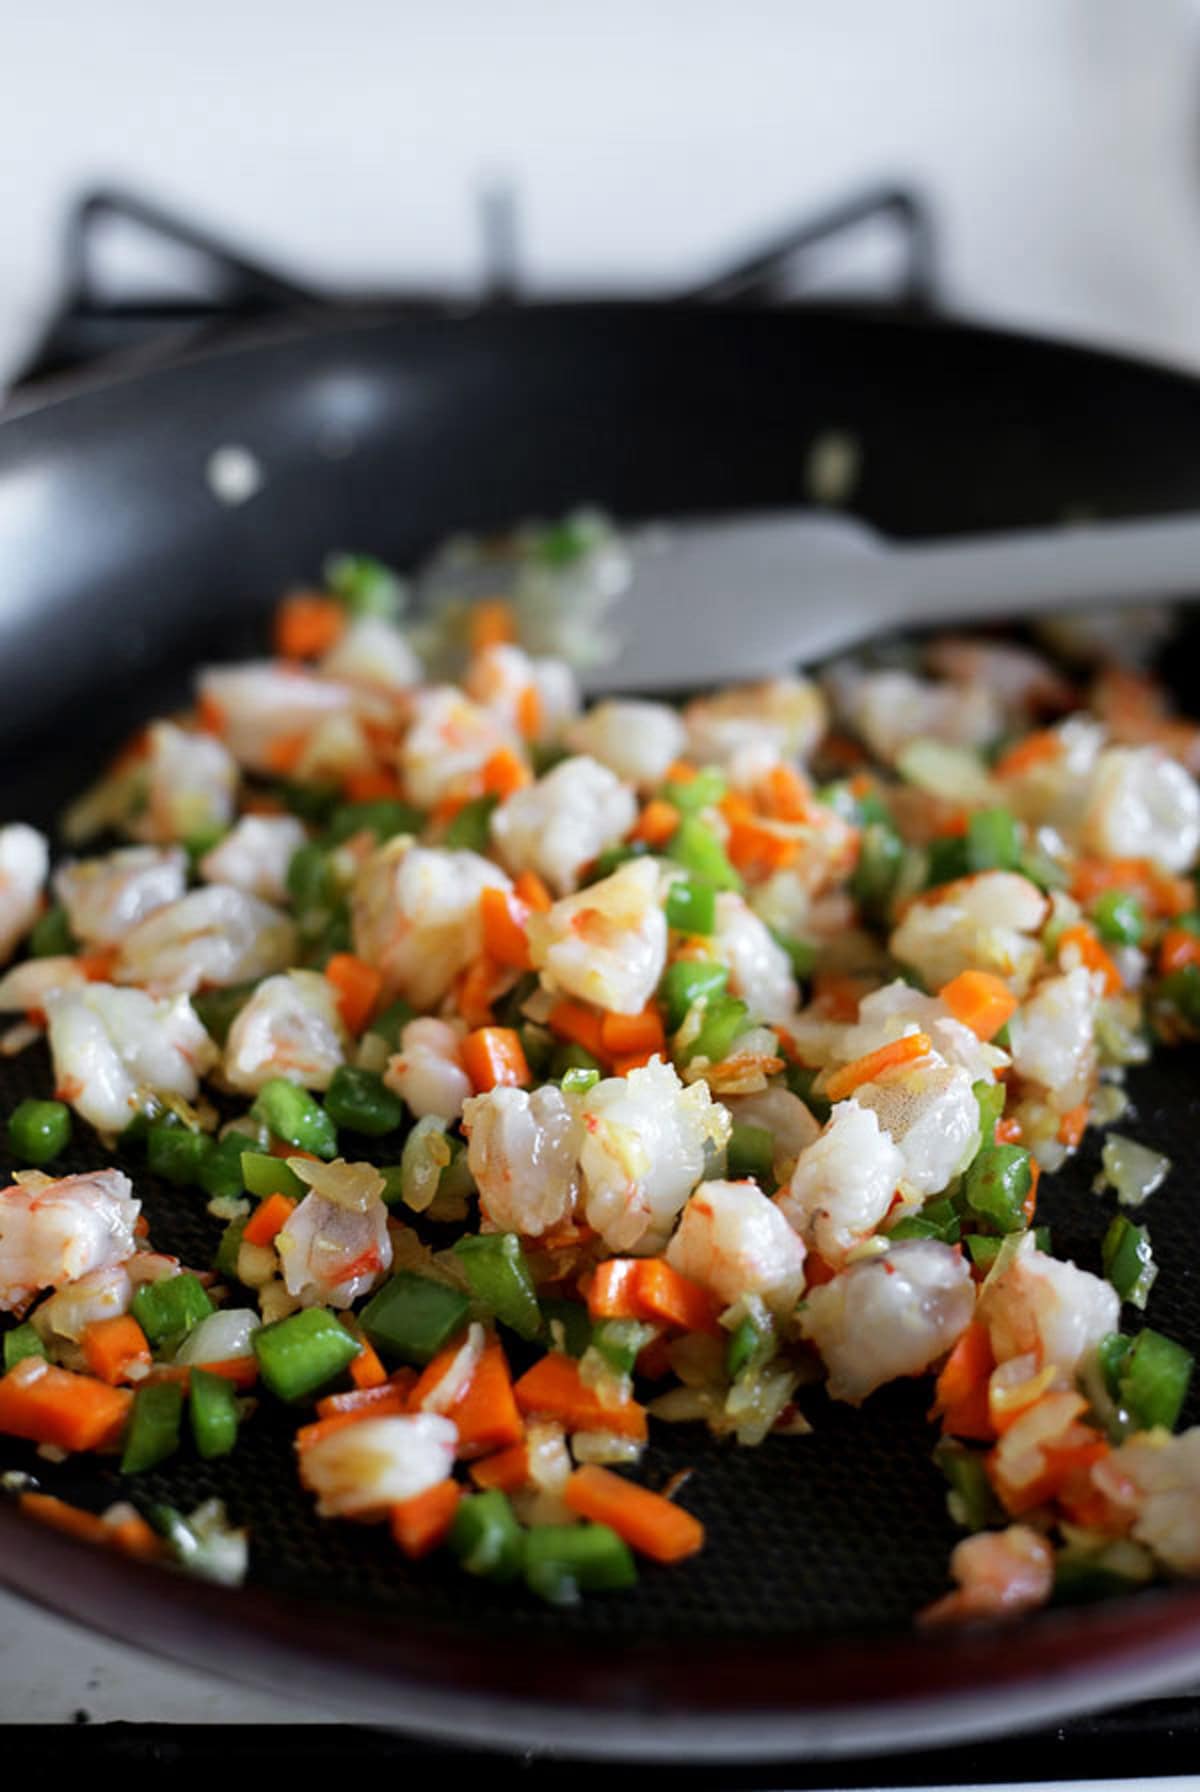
column 120, row 566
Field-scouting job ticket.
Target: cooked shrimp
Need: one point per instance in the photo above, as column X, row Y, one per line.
column 415, row 912
column 24, row 989
column 986, row 922
column 427, row 1072
column 331, row 1254
column 785, row 715
column 263, row 705
column 892, row 708
column 646, row 1139
column 733, row 1241
column 843, row 1183
column 57, row 1231
column 897, row 1008
column 366, row 1468
column 1021, row 680
column 254, row 856
column 1042, row 1306
column 191, row 783
column 533, row 697
column 930, row 1112
column 371, row 651
column 100, row 1294
column 289, row 1028
column 558, row 825
column 216, row 936
column 889, row 1316
column 1161, row 1474
column 110, row 1046
column 1000, row 1574
column 524, row 1155
column 1143, row 805
column 1053, row 1035
column 24, row 862
column 760, row 971
column 106, row 897
column 636, row 740
column 606, row 944
column 449, row 741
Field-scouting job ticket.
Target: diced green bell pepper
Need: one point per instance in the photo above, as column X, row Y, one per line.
column 296, row 1117
column 213, row 1412
column 495, row 1267
column 303, row 1353
column 411, row 1317
column 153, row 1432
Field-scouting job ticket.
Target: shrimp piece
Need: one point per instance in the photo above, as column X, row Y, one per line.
column 891, row 709
column 760, row 971
column 54, row 1232
column 645, row 1147
column 289, row 1028
column 796, row 899
column 372, row 652
column 889, row 1316
column 1019, row 679
column 1000, row 1574
column 263, row 704
column 190, row 787
column 606, row 944
column 510, row 682
column 366, row 1468
column 106, row 897
column 427, row 1072
column 791, row 1126
column 1053, row 1035
column 449, row 741
column 897, row 1008
column 1043, row 1307
column 733, row 1241
column 24, row 989
column 523, row 1152
column 330, row 1254
column 932, row 1116
column 842, row 1184
column 212, row 937
column 1143, row 805
column 110, row 1046
column 635, row 740
column 415, row 913
column 24, row 862
column 1053, row 791
column 562, row 822
column 254, row 856
column 1159, row 1476
column 988, row 922
column 785, row 716
column 100, row 1294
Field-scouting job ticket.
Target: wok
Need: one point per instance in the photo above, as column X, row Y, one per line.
column 119, row 567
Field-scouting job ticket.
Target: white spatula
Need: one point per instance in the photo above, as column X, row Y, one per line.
column 747, row 596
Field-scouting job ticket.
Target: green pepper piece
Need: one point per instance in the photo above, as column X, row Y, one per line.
column 153, row 1432
column 566, row 1057
column 880, row 856
column 724, row 1018
column 691, row 795
column 1042, row 870
column 606, row 862
column 221, row 1172
column 800, row 1079
column 168, row 1310
column 264, row 1175
column 947, row 860
column 564, row 1560
column 385, row 817
column 51, row 935
column 1153, row 1381
column 1128, row 1260
column 696, row 848
column 495, row 1267
column 20, row 1342
column 989, row 1098
column 937, row 1219
column 1119, row 917
column 750, row 1345
column 226, row 1260
column 364, row 585
column 486, row 1537
column 750, row 1153
column 993, row 841
column 358, row 1100
column 217, row 1009
column 471, row 827
column 311, row 802
column 1181, row 989
column 688, row 981
column 296, row 1117
column 577, row 1081
column 213, row 1411
column 301, row 1354
column 311, row 882
column 1112, row 1353
column 691, row 905
column 392, row 1022
column 574, row 1321
column 802, row 953
column 620, row 1341
column 411, row 1317
column 39, row 1130
column 177, row 1154
column 972, row 1502
column 996, row 1185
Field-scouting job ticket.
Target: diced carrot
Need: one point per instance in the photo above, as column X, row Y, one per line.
column 529, row 713
column 652, row 1525
column 268, row 1220
column 478, row 988
column 1081, row 941
column 366, row 1371
column 211, row 715
column 839, row 994
column 1073, row 1125
column 132, row 1536
column 455, row 800
column 611, row 1291
column 487, row 1416
column 1157, row 890
column 758, row 848
column 504, row 773
column 657, row 823
column 1039, row 748
column 374, row 1402
column 627, row 1061
column 666, row 1297
column 356, row 985
column 680, row 771
column 371, row 784
column 60, row 1515
column 1177, row 948
column 391, row 1402
column 980, row 1001
column 492, row 624
column 1029, row 1206
column 434, row 1371
column 533, row 892
column 242, row 1371
column 49, row 1405
column 285, row 752
column 1009, row 1130
column 308, row 625
column 421, row 1523
column 961, row 1393
column 552, row 1389
column 892, row 1056
column 504, row 937
column 582, row 1025
column 787, row 793
column 622, row 1034
column 506, row 1469
column 114, row 1347
column 97, row 964
column 493, row 1057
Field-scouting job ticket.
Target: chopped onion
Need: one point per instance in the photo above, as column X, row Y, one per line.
column 450, row 1388
column 605, row 1447
column 756, row 1400
column 945, row 771
column 219, row 1337
column 1133, row 1170
column 427, row 1151
column 354, row 1187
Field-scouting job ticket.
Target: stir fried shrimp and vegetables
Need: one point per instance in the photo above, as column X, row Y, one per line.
column 557, row 1074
